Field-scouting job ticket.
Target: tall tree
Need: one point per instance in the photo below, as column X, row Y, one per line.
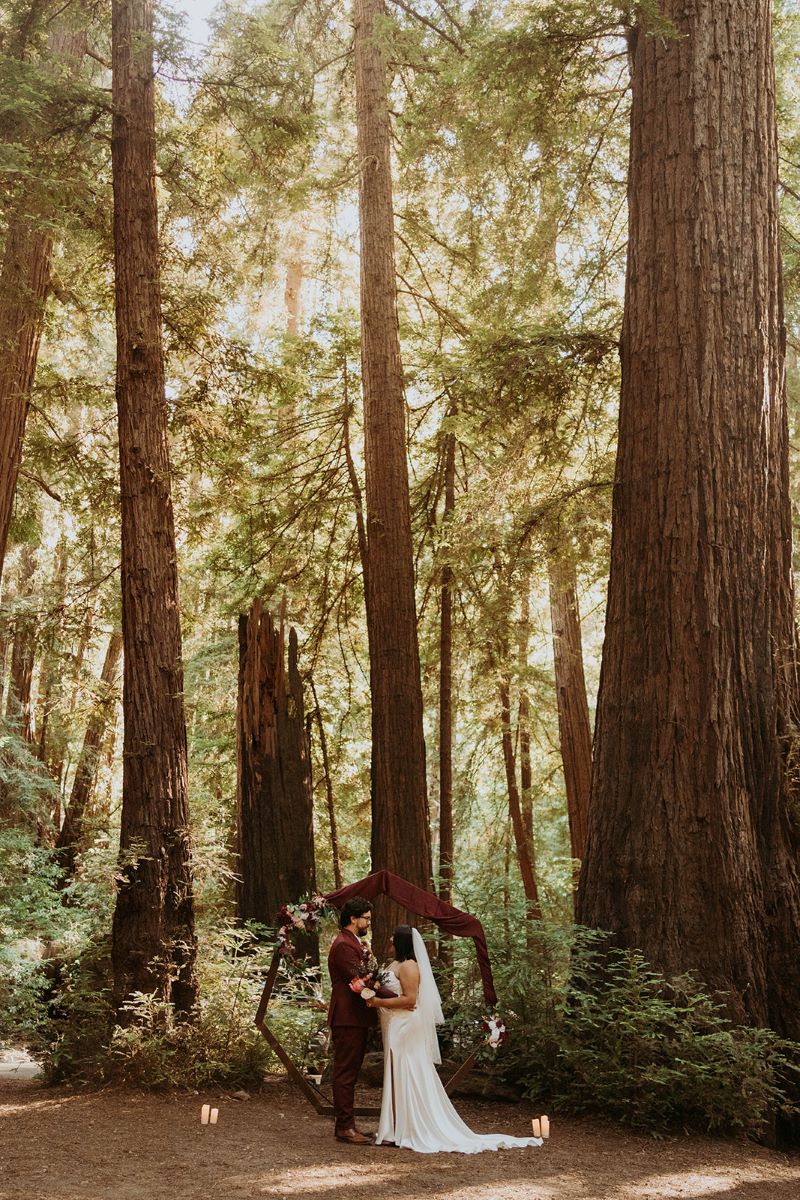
column 70, row 839
column 153, row 932
column 49, row 682
column 446, row 841
column 694, row 838
column 329, row 801
column 574, row 727
column 522, row 844
column 23, row 647
column 24, row 283
column 446, row 686
column 400, row 820
column 525, row 759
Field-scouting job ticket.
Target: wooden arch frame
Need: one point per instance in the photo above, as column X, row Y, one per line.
column 422, row 904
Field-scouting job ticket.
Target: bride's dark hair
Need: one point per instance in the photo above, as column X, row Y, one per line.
column 403, row 943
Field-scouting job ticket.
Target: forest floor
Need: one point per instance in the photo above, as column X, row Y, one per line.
column 61, row 1144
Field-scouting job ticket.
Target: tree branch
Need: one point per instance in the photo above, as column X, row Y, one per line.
column 431, row 25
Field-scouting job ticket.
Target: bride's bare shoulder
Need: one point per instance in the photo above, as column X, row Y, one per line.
column 408, row 969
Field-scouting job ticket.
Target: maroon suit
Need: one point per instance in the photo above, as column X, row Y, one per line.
column 350, row 1020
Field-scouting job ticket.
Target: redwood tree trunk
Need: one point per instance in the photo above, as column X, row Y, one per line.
column 274, row 800
column 295, row 271
column 23, row 648
column 574, row 728
column 694, row 838
column 446, row 846
column 153, row 934
column 523, row 847
column 326, row 771
column 71, row 684
column 4, row 644
column 52, row 667
column 24, row 280
column 400, row 821
column 446, row 690
column 70, row 839
column 525, row 761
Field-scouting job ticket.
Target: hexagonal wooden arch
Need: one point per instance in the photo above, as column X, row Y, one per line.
column 422, row 904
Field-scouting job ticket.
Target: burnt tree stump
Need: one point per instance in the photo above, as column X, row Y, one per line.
column 274, row 802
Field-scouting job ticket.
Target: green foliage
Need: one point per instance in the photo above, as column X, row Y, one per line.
column 30, row 910
column 29, row 902
column 219, row 1047
column 593, row 1029
column 152, row 1048
column 52, row 937
column 26, row 787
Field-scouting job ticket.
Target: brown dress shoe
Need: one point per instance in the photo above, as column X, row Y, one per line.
column 353, row 1137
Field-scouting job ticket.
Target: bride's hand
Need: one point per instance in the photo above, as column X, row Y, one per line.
column 373, row 1002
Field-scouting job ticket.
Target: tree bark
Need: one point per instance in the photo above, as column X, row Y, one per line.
column 70, row 840
column 4, row 644
column 153, row 932
column 71, row 684
column 274, row 800
column 446, row 840
column 24, row 282
column 295, row 270
column 323, row 745
column 400, row 819
column 523, row 848
column 574, row 728
column 23, row 649
column 355, row 486
column 525, row 763
column 694, row 840
column 51, row 672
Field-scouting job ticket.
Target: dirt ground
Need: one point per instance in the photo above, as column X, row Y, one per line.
column 58, row 1144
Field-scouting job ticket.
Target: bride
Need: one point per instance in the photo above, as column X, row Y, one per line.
column 416, row 1112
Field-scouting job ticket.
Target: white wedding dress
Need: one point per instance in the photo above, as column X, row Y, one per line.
column 416, row 1112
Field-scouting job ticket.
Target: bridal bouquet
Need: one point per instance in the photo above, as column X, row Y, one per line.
column 373, row 977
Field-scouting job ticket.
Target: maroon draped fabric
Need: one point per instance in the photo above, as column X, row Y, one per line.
column 424, row 904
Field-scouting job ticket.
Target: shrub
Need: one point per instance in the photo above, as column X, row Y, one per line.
column 30, row 911
column 218, row 1045
column 593, row 1029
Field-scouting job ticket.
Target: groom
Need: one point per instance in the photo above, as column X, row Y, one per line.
column 348, row 1016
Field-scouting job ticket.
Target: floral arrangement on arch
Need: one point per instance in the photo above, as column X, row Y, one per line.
column 303, row 917
column 494, row 1027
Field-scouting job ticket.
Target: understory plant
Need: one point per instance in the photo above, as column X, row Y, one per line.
column 152, row 1047
column 596, row 1029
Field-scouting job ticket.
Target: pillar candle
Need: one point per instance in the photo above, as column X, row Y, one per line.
column 536, row 1126
column 214, row 1115
column 204, row 1114
column 545, row 1127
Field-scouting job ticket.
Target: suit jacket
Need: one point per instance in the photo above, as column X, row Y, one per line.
column 346, row 961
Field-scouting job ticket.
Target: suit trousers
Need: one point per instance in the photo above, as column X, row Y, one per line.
column 349, row 1047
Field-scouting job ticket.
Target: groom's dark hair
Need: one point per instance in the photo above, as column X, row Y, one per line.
column 356, row 907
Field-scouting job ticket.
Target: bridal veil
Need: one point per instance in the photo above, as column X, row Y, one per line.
column 429, row 1002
